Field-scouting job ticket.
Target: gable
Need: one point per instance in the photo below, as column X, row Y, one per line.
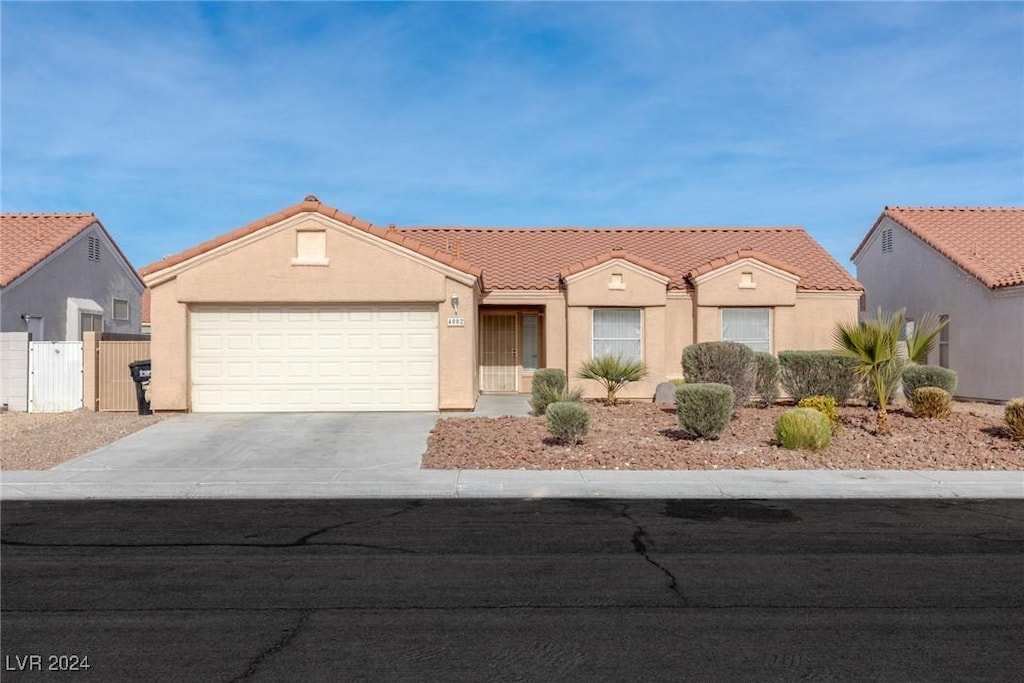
column 746, row 282
column 616, row 282
column 310, row 258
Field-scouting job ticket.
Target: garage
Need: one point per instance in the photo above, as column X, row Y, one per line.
column 297, row 358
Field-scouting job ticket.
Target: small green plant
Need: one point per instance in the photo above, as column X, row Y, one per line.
column 826, row 405
column 704, row 409
column 722, row 363
column 568, row 421
column 803, row 429
column 678, row 382
column 931, row 402
column 613, row 373
column 1014, row 418
column 921, row 340
column 917, row 376
column 767, row 382
column 549, row 386
column 817, row 373
column 873, row 345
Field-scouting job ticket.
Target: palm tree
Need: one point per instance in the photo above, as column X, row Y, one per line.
column 922, row 339
column 873, row 343
column 613, row 372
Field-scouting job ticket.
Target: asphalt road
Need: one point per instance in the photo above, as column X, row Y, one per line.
column 512, row 590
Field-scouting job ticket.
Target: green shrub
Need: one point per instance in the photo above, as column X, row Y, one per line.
column 722, row 363
column 678, row 382
column 613, row 372
column 704, row 409
column 817, row 373
column 803, row 429
column 767, row 382
column 826, row 405
column 549, row 386
column 917, row 376
column 931, row 402
column 1014, row 418
column 568, row 421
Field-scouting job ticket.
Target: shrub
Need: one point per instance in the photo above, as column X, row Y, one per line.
column 826, row 405
column 613, row 372
column 767, row 383
column 1014, row 418
column 722, row 363
column 568, row 421
column 817, row 373
column 917, row 376
column 803, row 429
column 930, row 402
column 704, row 409
column 548, row 384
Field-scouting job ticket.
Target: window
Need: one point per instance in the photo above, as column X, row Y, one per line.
column 617, row 333
column 750, row 326
column 944, row 342
column 94, row 248
column 887, row 240
column 90, row 322
column 529, row 344
column 120, row 309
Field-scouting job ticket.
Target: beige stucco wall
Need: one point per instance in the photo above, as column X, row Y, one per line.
column 594, row 287
column 359, row 268
column 768, row 286
column 986, row 326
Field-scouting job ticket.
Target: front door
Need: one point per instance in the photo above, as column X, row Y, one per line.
column 499, row 364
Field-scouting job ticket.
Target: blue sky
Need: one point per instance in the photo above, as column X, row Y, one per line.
column 176, row 122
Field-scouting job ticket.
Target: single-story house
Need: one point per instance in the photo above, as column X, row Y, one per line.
column 967, row 266
column 313, row 309
column 61, row 274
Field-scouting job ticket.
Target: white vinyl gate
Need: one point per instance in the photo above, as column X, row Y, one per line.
column 54, row 376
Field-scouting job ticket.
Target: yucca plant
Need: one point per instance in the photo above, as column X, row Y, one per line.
column 874, row 345
column 613, row 372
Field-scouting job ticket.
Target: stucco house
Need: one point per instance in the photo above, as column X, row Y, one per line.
column 966, row 265
column 61, row 274
column 314, row 309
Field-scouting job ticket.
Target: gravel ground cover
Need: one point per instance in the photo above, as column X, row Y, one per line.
column 39, row 441
column 645, row 436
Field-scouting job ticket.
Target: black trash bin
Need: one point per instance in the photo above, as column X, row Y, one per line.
column 141, row 371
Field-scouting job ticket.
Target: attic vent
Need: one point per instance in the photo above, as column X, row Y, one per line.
column 94, row 248
column 887, row 240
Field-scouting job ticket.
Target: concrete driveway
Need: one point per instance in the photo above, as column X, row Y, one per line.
column 213, row 454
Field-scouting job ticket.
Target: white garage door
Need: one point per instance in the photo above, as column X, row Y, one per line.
column 313, row 358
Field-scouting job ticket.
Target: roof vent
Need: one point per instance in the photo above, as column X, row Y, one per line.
column 312, row 198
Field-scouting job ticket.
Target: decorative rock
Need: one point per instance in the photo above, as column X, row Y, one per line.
column 665, row 393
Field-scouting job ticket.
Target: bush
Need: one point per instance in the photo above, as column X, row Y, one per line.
column 704, row 409
column 817, row 373
column 722, row 363
column 568, row 421
column 917, row 376
column 803, row 429
column 931, row 402
column 1014, row 418
column 767, row 383
column 549, row 386
column 826, row 405
column 613, row 372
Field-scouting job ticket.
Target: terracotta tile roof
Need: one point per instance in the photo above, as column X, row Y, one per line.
column 28, row 238
column 313, row 205
column 533, row 258
column 611, row 255
column 717, row 263
column 987, row 242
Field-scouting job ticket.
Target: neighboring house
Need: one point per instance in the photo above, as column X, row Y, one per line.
column 314, row 309
column 966, row 265
column 144, row 315
column 62, row 275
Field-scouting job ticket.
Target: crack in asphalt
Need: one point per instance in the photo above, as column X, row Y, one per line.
column 275, row 648
column 639, row 534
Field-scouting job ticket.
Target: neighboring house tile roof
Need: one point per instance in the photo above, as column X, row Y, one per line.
column 28, row 238
column 535, row 258
column 986, row 242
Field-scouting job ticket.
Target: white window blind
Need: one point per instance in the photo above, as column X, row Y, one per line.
column 750, row 326
column 617, row 333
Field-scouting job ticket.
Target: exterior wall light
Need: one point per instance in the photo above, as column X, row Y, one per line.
column 455, row 303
